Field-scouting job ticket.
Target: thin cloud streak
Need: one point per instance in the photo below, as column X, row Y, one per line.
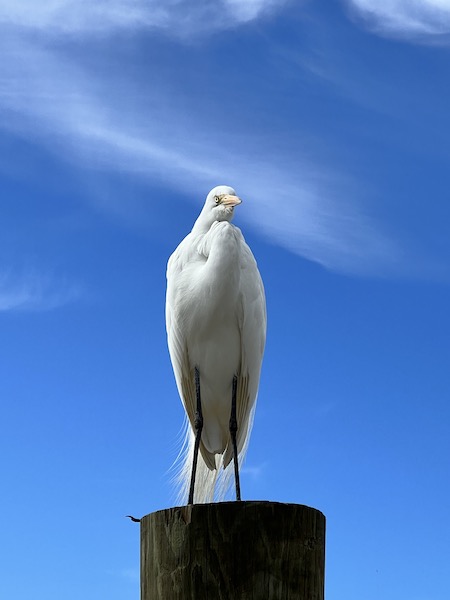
column 299, row 205
column 33, row 291
column 411, row 19
column 255, row 472
column 176, row 17
column 132, row 574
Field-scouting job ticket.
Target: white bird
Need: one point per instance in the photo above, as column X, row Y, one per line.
column 216, row 329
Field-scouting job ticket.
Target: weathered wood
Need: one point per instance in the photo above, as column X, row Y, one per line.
column 233, row 551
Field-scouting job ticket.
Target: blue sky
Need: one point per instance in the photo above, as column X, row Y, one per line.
column 331, row 121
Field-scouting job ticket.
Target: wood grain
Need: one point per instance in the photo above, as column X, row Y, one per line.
column 233, row 551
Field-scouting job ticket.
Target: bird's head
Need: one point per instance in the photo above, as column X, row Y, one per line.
column 220, row 203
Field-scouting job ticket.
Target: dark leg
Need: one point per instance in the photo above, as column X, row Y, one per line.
column 198, row 424
column 233, row 429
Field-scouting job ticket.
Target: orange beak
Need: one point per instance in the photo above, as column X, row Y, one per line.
column 228, row 200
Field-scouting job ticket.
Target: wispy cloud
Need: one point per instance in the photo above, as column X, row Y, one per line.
column 256, row 472
column 33, row 291
column 177, row 17
column 417, row 19
column 298, row 203
column 131, row 574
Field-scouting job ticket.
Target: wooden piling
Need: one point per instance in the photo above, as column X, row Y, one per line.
column 233, row 551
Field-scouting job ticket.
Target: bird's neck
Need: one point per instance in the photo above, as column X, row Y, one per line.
column 204, row 223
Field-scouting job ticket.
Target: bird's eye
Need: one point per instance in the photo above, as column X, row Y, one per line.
column 217, row 199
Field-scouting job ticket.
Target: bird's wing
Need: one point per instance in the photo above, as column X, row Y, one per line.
column 175, row 337
column 252, row 324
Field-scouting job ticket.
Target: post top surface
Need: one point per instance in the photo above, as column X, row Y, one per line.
column 236, row 507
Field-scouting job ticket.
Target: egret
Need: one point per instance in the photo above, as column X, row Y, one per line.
column 216, row 330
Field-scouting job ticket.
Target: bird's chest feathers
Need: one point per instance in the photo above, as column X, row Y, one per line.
column 211, row 297
column 210, row 280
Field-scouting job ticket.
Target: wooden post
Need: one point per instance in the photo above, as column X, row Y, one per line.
column 233, row 551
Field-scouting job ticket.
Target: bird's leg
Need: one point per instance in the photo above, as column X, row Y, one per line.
column 233, row 429
column 198, row 424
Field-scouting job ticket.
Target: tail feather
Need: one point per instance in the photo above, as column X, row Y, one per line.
column 205, row 479
column 210, row 484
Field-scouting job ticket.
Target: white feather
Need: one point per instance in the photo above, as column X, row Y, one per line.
column 216, row 321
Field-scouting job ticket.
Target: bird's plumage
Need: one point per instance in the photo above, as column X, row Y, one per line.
column 216, row 321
